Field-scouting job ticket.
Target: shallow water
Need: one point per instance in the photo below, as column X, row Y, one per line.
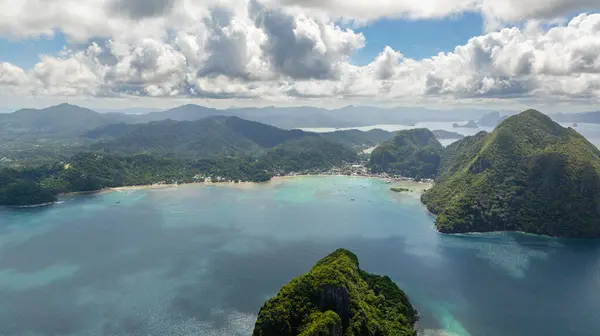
column 201, row 260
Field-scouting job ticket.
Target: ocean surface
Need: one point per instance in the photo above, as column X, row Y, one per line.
column 590, row 131
column 202, row 259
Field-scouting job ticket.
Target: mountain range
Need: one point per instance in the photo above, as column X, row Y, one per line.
column 73, row 118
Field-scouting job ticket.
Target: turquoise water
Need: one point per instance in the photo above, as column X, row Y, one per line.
column 201, row 260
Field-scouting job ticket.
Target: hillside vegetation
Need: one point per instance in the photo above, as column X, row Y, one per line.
column 212, row 136
column 359, row 139
column 309, row 154
column 337, row 298
column 216, row 148
column 413, row 153
column 529, row 175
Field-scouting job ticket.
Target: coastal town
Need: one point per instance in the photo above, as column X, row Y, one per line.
column 350, row 169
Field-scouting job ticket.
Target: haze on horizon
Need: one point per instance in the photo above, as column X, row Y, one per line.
column 116, row 54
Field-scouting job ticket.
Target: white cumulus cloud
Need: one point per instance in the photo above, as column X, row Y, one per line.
column 282, row 50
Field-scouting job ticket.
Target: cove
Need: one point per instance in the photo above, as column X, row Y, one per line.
column 203, row 259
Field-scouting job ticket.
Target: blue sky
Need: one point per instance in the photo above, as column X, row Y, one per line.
column 26, row 53
column 418, row 39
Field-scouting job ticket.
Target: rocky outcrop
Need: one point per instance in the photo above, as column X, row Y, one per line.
column 337, row 300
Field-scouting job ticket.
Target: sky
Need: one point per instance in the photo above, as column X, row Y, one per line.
column 111, row 54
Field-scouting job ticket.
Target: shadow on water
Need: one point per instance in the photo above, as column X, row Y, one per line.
column 552, row 294
column 106, row 252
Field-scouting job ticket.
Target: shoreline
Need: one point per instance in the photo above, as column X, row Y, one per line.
column 30, row 206
column 274, row 179
column 389, row 180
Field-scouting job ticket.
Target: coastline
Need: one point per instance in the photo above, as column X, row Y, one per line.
column 30, row 206
column 418, row 187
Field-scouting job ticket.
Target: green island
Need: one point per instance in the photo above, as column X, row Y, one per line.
column 469, row 124
column 414, row 153
column 337, row 298
column 530, row 175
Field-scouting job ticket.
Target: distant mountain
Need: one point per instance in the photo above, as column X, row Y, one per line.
column 530, row 174
column 130, row 110
column 350, row 116
column 586, row 117
column 57, row 121
column 412, row 153
column 470, row 124
column 443, row 135
column 219, row 135
column 491, row 119
column 182, row 113
column 67, row 120
column 337, row 298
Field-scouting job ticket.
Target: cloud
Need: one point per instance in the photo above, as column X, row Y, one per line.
column 138, row 9
column 386, row 63
column 495, row 12
column 12, row 76
column 74, row 73
column 150, row 67
column 232, row 46
column 303, row 47
column 261, row 50
column 507, row 63
column 81, row 20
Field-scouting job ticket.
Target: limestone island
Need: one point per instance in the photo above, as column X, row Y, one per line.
column 337, row 298
column 470, row 124
column 530, row 174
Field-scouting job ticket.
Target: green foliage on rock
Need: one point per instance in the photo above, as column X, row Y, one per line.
column 411, row 153
column 529, row 175
column 337, row 298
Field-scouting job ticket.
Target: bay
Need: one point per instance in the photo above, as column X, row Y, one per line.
column 202, row 259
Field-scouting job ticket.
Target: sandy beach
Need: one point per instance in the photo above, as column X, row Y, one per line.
column 416, row 187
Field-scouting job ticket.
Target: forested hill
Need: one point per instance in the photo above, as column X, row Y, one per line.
column 357, row 139
column 312, row 154
column 56, row 121
column 219, row 135
column 413, row 153
column 530, row 174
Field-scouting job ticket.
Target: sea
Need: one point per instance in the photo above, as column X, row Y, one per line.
column 202, row 259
